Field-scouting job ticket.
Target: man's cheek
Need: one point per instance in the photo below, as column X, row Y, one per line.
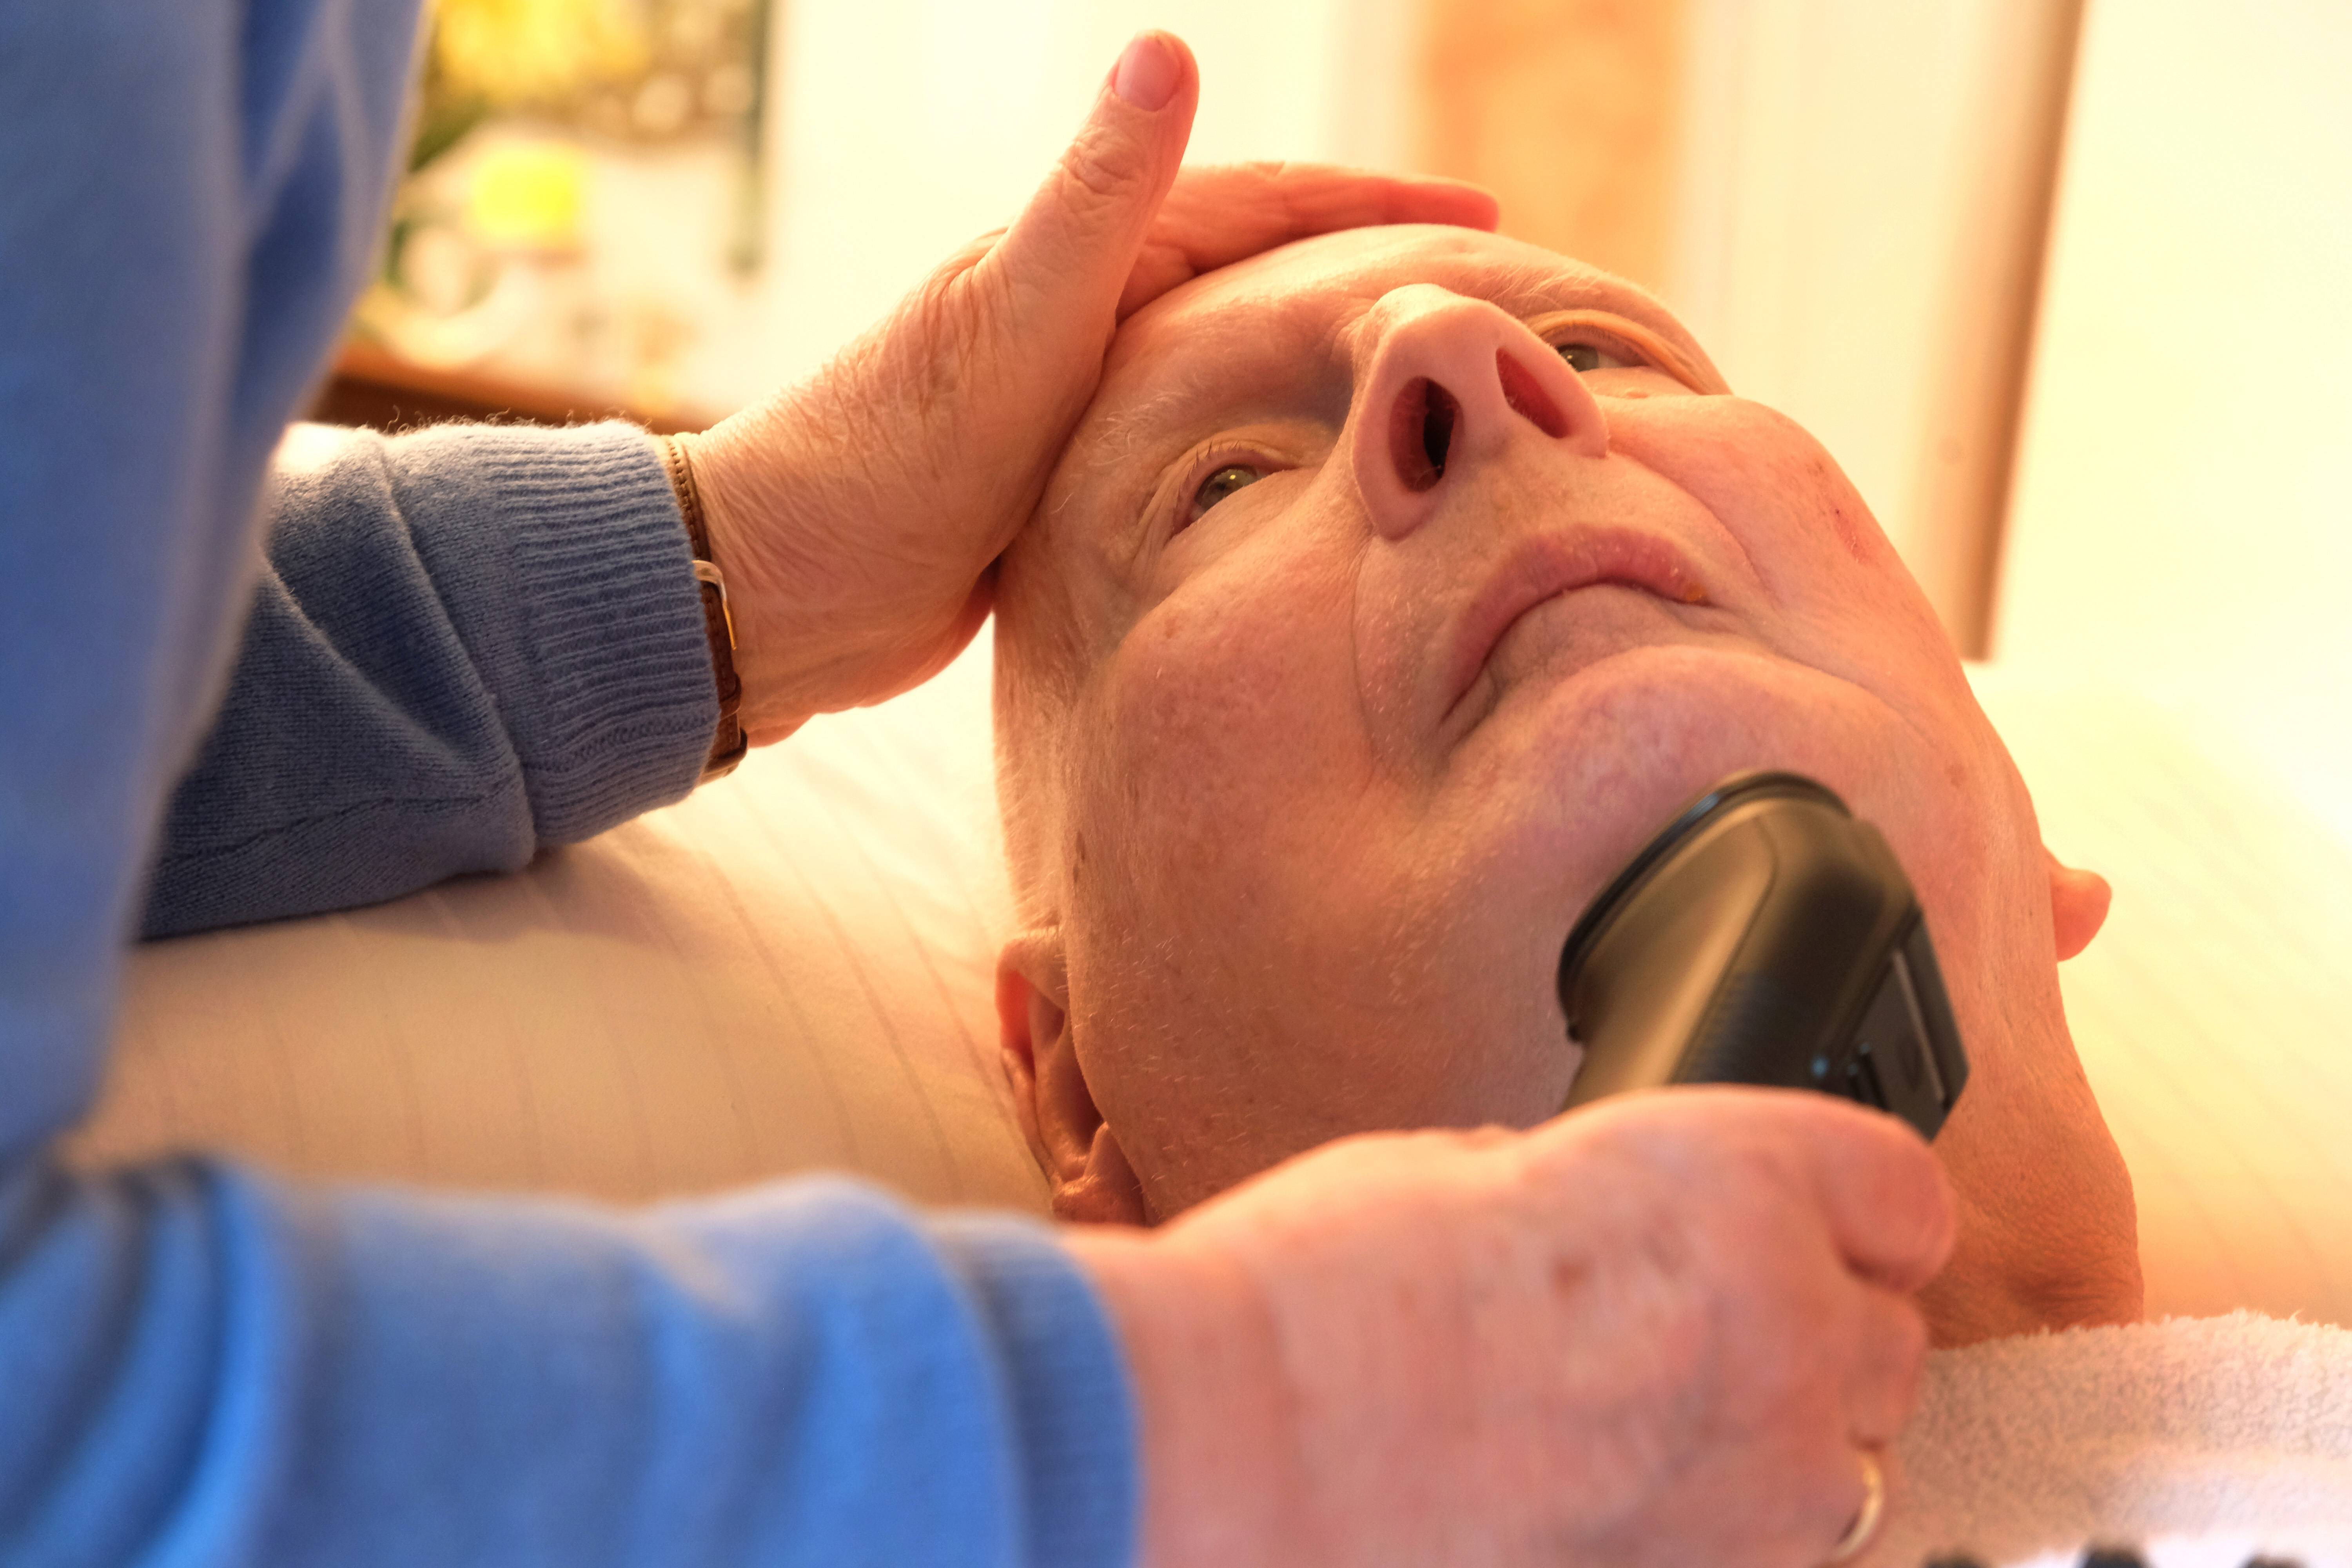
column 1240, row 798
column 1234, row 696
column 1766, row 478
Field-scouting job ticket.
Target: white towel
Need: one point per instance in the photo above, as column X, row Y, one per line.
column 2197, row 1441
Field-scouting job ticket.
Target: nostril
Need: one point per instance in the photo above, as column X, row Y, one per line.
column 1421, row 432
column 1528, row 397
column 1437, row 426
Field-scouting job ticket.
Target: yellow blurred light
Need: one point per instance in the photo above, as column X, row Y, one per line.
column 515, row 52
column 528, row 195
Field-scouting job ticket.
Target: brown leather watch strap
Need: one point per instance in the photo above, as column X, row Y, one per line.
column 729, row 742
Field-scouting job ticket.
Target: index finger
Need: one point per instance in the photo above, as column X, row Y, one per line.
column 1216, row 215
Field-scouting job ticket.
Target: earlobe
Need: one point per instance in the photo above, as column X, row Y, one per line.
column 2078, row 905
column 1083, row 1164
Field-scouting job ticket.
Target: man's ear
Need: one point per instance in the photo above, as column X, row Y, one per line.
column 2078, row 905
column 1081, row 1156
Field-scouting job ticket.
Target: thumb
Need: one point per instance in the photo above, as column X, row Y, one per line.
column 1061, row 266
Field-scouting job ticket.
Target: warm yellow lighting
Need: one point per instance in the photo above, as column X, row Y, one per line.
column 528, row 195
column 513, row 52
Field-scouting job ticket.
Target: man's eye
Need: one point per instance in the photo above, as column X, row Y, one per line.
column 1582, row 357
column 1220, row 484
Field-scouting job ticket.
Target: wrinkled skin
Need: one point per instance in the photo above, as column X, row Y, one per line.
column 1307, row 787
column 1444, row 1348
column 857, row 513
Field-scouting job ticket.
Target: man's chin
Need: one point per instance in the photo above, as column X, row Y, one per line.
column 1571, row 773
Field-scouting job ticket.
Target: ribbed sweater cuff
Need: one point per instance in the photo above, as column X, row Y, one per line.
column 1078, row 1456
column 605, row 683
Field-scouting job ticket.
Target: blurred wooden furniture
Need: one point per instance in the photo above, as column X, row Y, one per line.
column 1567, row 109
column 384, row 392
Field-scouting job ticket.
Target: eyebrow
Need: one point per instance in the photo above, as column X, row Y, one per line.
column 1529, row 290
column 1125, row 427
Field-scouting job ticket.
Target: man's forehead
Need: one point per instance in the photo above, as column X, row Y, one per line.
column 1308, row 297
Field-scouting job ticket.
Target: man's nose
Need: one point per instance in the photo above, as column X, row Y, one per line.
column 1453, row 383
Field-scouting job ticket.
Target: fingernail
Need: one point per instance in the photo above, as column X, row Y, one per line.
column 1146, row 76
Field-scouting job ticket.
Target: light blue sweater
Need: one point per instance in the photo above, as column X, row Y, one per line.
column 465, row 645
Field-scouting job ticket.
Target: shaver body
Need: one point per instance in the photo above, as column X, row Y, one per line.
column 1767, row 936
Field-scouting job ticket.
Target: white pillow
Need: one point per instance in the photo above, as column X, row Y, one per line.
column 792, row 968
column 795, row 969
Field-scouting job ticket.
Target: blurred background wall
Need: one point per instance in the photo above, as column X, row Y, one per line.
column 2139, row 472
column 905, row 127
column 2182, row 520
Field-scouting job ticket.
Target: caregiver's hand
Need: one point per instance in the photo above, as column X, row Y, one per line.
column 1650, row 1332
column 856, row 514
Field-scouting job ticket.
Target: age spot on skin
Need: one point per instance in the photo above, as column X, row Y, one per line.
column 1850, row 533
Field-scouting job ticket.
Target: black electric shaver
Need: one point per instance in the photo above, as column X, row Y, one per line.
column 1767, row 937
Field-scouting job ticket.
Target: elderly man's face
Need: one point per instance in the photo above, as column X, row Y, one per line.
column 1394, row 590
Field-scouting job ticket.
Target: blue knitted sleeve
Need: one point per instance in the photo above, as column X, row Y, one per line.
column 204, row 1366
column 466, row 642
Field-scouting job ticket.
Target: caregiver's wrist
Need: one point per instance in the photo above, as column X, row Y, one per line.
column 745, row 477
column 728, row 742
column 849, row 587
column 1215, row 1438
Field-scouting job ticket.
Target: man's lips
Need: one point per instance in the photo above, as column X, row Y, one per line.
column 1547, row 565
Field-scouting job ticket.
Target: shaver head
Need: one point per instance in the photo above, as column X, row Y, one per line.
column 1766, row 936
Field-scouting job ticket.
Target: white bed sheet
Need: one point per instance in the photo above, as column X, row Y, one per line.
column 2211, row 1012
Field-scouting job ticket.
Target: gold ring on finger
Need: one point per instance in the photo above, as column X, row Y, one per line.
column 1865, row 1518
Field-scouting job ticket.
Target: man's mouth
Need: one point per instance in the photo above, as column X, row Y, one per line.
column 1545, row 566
